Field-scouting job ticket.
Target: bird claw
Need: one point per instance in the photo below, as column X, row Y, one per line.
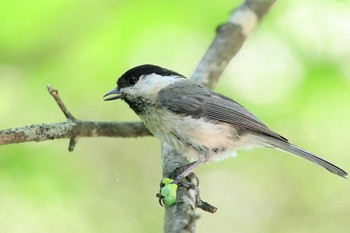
column 167, row 192
column 187, row 181
column 168, row 186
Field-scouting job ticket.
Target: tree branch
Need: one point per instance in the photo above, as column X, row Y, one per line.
column 230, row 37
column 72, row 128
column 44, row 132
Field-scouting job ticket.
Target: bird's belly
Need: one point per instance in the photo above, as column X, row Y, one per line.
column 192, row 135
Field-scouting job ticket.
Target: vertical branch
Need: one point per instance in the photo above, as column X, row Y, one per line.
column 230, row 37
column 181, row 216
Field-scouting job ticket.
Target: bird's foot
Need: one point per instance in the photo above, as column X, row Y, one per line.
column 169, row 185
column 183, row 175
column 167, row 192
column 168, row 188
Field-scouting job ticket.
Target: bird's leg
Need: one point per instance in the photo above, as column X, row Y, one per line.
column 181, row 172
column 185, row 170
column 168, row 185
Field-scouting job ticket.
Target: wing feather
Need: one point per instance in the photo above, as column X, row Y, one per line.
column 192, row 99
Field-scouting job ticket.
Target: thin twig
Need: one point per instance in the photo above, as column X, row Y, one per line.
column 54, row 93
column 72, row 143
column 205, row 206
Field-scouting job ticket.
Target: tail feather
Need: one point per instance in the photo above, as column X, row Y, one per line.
column 290, row 148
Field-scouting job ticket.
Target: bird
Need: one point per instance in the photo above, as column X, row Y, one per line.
column 205, row 126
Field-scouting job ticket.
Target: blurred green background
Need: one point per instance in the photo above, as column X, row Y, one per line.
column 293, row 73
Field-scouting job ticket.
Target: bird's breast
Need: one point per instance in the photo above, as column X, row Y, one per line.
column 193, row 135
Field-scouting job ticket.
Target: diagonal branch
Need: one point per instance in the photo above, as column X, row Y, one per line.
column 54, row 93
column 229, row 40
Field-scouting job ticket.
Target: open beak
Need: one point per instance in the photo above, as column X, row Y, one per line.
column 113, row 92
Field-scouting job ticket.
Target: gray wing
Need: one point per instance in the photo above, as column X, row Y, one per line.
column 192, row 99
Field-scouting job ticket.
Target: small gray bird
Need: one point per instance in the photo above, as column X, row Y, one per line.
column 202, row 124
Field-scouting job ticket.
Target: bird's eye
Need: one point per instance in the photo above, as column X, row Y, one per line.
column 133, row 80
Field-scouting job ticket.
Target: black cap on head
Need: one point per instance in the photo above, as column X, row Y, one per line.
column 131, row 76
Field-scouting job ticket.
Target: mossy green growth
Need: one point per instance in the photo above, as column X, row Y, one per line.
column 168, row 192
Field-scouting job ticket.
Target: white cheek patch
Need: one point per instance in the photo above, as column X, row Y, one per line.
column 150, row 85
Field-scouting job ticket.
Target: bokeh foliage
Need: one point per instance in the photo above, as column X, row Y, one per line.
column 293, row 72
